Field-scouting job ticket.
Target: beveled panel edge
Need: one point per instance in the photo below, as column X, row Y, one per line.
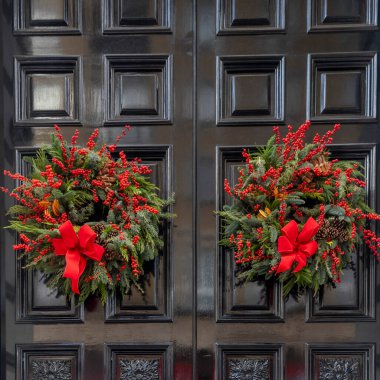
column 110, row 314
column 222, row 30
column 20, row 30
column 279, row 90
column 77, row 64
column 371, row 23
column 167, row 70
column 349, row 348
column 368, row 57
column 279, row 305
column 276, row 349
column 23, row 279
column 166, row 349
column 164, row 28
column 368, row 152
column 76, row 349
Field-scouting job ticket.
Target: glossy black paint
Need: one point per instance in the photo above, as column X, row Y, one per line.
column 329, row 72
column 200, row 80
column 68, row 62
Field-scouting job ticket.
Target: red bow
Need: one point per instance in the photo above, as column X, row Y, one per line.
column 297, row 246
column 74, row 247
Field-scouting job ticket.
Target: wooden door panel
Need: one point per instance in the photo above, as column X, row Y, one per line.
column 54, row 361
column 251, row 302
column 48, row 90
column 325, row 361
column 35, row 302
column 262, row 77
column 134, row 361
column 342, row 15
column 155, row 305
column 250, row 17
column 353, row 77
column 132, row 17
column 138, row 89
column 33, row 17
column 353, row 299
column 243, row 361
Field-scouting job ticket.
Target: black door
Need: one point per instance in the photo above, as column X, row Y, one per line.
column 198, row 81
column 264, row 63
column 102, row 64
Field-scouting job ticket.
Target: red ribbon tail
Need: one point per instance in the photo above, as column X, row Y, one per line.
column 72, row 270
column 285, row 263
column 301, row 262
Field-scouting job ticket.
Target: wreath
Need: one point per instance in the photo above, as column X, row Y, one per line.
column 297, row 216
column 86, row 219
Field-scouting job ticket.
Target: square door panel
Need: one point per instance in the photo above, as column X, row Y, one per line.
column 138, row 89
column 35, row 302
column 342, row 92
column 250, row 16
column 248, row 302
column 342, row 87
column 49, row 361
column 139, row 361
column 47, row 16
column 249, row 361
column 47, row 90
column 155, row 305
column 354, row 298
column 342, row 15
column 50, row 95
column 340, row 361
column 136, row 16
column 139, row 12
column 250, row 90
column 138, row 94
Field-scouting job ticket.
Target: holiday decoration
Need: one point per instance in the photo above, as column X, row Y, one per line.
column 87, row 220
column 296, row 215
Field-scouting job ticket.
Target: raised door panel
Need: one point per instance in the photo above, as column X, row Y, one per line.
column 139, row 361
column 42, row 361
column 47, row 17
column 48, row 90
column 35, row 302
column 250, row 16
column 237, row 302
column 262, row 77
column 340, row 361
column 342, row 15
column 342, row 87
column 354, row 298
column 138, row 89
column 155, row 304
column 131, row 16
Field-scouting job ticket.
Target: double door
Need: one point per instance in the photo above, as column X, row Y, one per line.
column 198, row 81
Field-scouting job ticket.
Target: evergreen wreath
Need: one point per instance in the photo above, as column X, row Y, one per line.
column 86, row 220
column 296, row 215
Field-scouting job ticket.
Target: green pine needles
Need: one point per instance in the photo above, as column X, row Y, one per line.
column 86, row 220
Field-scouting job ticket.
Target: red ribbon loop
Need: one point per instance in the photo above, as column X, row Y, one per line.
column 75, row 248
column 297, row 246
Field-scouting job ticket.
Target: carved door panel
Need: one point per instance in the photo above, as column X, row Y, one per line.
column 264, row 63
column 86, row 64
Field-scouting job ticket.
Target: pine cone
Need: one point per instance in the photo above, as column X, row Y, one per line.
column 105, row 178
column 318, row 163
column 109, row 254
column 98, row 229
column 334, row 229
